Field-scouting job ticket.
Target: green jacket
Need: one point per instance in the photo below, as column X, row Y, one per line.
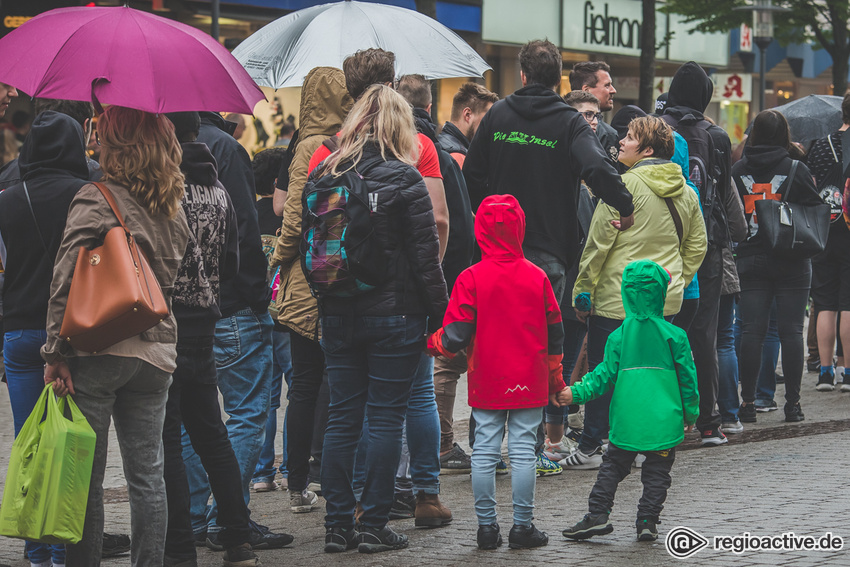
column 653, row 237
column 648, row 364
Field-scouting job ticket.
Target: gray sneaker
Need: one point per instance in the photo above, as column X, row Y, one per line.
column 303, row 501
column 732, row 426
column 456, row 461
column 763, row 407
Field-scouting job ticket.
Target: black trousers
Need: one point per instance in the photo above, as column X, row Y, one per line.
column 308, row 367
column 617, row 464
column 193, row 403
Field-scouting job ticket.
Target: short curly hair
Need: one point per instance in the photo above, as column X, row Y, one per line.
column 652, row 132
column 366, row 68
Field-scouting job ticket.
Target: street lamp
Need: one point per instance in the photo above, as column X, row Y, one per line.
column 763, row 11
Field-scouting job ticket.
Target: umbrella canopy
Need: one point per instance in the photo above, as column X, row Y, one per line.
column 812, row 117
column 283, row 52
column 125, row 57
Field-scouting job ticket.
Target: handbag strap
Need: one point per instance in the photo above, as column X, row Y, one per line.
column 110, row 199
column 677, row 220
column 790, row 179
column 34, row 220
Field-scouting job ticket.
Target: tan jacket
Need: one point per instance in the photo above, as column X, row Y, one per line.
column 325, row 103
column 162, row 240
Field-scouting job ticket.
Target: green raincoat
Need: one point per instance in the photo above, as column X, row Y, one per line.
column 649, row 365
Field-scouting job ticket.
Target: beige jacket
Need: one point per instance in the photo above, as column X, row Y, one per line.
column 325, row 103
column 163, row 241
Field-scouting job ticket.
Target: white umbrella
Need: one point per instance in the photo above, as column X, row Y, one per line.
column 284, row 51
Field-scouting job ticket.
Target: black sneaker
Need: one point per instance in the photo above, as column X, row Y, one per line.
column 589, row 526
column 747, row 413
column 404, row 505
column 826, row 382
column 338, row 540
column 526, row 537
column 456, row 461
column 646, row 530
column 261, row 538
column 770, row 406
column 489, row 536
column 376, row 540
column 115, row 544
column 845, row 382
column 240, row 556
column 715, row 436
column 794, row 413
column 813, row 365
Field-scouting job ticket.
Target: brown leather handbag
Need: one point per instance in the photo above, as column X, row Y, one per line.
column 114, row 293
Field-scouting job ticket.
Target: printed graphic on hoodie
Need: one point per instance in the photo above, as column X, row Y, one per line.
column 757, row 192
column 523, row 139
column 206, row 215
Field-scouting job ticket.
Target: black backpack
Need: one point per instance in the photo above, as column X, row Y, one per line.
column 341, row 254
column 705, row 171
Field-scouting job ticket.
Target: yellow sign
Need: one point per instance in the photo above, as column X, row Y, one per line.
column 15, row 21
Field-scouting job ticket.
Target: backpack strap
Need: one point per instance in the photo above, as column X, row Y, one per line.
column 677, row 220
column 331, row 143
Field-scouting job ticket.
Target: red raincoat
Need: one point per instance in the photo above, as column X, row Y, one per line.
column 504, row 309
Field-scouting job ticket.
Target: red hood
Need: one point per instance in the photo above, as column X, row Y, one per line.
column 500, row 227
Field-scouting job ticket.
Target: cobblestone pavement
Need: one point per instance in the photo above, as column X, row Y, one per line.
column 773, row 478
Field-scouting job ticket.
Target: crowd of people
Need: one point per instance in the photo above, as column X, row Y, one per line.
column 605, row 288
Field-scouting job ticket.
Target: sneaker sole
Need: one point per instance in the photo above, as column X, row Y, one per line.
column 214, row 546
column 647, row 535
column 845, row 387
column 549, row 473
column 448, row 471
column 766, row 409
column 590, row 532
column 714, row 441
column 379, row 547
column 583, row 466
column 302, row 509
column 824, row 387
column 794, row 419
column 521, row 546
column 338, row 547
column 732, row 429
column 124, row 549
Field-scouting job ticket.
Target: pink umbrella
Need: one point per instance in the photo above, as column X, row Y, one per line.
column 125, row 57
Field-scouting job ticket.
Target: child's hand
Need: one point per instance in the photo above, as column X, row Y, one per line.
column 689, row 428
column 565, row 397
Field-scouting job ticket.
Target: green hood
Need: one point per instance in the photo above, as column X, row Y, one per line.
column 662, row 176
column 645, row 288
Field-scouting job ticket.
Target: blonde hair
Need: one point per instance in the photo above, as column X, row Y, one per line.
column 141, row 152
column 382, row 117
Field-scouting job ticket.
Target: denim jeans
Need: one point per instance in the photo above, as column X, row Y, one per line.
column 727, row 361
column 422, row 427
column 193, row 403
column 596, row 411
column 372, row 363
column 25, row 379
column 131, row 393
column 243, row 359
column 522, row 436
column 574, row 333
column 764, row 279
column 766, row 383
column 282, row 370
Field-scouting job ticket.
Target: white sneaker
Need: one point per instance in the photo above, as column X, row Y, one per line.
column 732, row 427
column 580, row 461
column 304, row 501
column 639, row 460
column 265, row 486
column 561, row 450
column 576, row 420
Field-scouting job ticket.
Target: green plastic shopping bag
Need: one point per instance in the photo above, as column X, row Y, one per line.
column 47, row 484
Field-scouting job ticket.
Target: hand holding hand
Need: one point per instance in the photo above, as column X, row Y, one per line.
column 564, row 397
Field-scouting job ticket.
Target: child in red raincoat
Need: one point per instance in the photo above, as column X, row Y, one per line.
column 504, row 309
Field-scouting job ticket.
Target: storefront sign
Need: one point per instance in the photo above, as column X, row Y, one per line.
column 732, row 87
column 746, row 43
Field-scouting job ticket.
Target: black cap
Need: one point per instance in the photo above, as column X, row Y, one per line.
column 661, row 104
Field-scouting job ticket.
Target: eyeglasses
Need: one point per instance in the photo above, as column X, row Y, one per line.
column 590, row 116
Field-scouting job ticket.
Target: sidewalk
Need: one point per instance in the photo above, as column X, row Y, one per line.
column 773, row 478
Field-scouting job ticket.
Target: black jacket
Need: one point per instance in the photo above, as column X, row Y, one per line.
column 212, row 254
column 53, row 165
column 461, row 245
column 768, row 165
column 453, row 140
column 536, row 147
column 10, row 174
column 249, row 288
column 404, row 220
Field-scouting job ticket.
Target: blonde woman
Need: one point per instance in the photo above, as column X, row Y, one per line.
column 373, row 342
column 128, row 381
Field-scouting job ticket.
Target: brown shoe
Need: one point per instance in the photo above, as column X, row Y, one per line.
column 430, row 512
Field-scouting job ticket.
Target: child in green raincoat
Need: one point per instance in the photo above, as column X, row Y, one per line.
column 649, row 366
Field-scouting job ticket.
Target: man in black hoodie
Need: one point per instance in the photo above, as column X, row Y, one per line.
column 689, row 95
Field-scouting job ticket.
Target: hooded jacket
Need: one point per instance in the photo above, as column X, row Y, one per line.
column 249, row 288
column 53, row 164
column 648, row 364
column 504, row 309
column 533, row 145
column 212, row 255
column 325, row 103
column 454, row 142
column 608, row 251
column 760, row 174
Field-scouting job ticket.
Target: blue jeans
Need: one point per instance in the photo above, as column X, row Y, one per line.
column 243, row 359
column 596, row 411
column 727, row 360
column 422, row 426
column 766, row 382
column 522, row 437
column 372, row 363
column 25, row 379
column 282, row 370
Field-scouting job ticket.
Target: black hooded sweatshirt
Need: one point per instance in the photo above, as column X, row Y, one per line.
column 212, row 254
column 536, row 147
column 249, row 288
column 768, row 165
column 53, row 166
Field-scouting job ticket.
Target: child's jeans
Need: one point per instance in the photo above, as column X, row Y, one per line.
column 522, row 436
column 617, row 464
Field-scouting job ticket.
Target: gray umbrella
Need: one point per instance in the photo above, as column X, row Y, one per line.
column 812, row 117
